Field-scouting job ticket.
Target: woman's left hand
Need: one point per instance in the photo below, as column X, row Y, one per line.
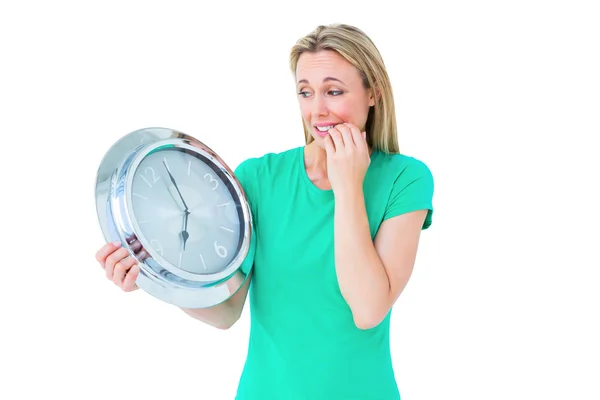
column 348, row 158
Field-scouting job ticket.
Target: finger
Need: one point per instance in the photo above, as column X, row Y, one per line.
column 357, row 136
column 359, row 139
column 113, row 259
column 347, row 135
column 105, row 251
column 336, row 137
column 121, row 269
column 329, row 146
column 129, row 281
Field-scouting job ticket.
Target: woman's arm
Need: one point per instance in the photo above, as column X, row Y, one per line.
column 224, row 315
column 372, row 274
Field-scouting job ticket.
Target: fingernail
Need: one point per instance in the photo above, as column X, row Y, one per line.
column 117, row 243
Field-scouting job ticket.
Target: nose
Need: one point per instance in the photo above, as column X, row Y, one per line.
column 319, row 106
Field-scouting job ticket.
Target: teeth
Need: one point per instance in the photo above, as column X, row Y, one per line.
column 324, row 128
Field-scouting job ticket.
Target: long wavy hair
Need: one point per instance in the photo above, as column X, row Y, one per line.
column 360, row 51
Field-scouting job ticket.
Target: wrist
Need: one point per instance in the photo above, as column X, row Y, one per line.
column 349, row 194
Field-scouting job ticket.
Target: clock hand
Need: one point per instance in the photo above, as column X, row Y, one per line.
column 176, row 187
column 184, row 236
column 184, row 233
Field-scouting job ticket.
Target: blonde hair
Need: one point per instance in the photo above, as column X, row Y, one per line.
column 358, row 49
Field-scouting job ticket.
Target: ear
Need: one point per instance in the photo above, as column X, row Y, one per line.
column 373, row 95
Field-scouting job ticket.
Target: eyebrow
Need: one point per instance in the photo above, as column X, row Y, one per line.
column 327, row 79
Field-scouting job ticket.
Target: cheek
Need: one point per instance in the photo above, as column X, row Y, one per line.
column 305, row 111
column 360, row 113
column 347, row 112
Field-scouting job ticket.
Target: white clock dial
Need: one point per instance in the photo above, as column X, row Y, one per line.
column 172, row 184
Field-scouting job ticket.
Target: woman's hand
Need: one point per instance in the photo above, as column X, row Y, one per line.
column 348, row 158
column 120, row 267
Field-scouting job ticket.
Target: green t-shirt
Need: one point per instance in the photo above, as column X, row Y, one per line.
column 303, row 341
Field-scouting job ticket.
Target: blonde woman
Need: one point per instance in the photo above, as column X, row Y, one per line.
column 338, row 224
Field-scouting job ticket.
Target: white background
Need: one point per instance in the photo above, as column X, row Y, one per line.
column 500, row 99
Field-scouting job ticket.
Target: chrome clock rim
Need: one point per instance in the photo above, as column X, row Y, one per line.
column 114, row 207
column 196, row 146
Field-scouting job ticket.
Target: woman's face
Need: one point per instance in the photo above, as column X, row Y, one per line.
column 330, row 92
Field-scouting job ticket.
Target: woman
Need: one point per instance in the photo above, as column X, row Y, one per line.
column 338, row 224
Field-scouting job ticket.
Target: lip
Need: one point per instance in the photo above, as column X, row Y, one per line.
column 327, row 123
column 323, row 134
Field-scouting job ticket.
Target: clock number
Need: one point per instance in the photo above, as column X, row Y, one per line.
column 220, row 250
column 157, row 246
column 154, row 178
column 211, row 179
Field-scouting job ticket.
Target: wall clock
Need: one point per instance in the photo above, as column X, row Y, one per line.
column 180, row 211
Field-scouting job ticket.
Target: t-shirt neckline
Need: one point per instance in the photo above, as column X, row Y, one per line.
column 325, row 193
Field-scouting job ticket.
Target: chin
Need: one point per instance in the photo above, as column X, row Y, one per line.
column 319, row 137
column 318, row 142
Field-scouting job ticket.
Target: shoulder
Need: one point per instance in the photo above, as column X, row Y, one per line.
column 258, row 165
column 260, row 168
column 248, row 166
column 410, row 184
column 403, row 167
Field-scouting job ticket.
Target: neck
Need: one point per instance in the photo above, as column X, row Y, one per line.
column 315, row 162
column 315, row 157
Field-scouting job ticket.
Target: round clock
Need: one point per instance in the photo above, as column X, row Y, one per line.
column 180, row 211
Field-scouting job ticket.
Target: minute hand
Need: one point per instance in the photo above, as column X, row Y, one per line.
column 176, row 187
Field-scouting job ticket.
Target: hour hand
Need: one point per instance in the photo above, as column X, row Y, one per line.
column 184, row 233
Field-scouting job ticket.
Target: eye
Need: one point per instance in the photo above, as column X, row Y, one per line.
column 303, row 93
column 335, row 92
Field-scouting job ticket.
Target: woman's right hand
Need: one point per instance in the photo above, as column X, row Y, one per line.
column 121, row 268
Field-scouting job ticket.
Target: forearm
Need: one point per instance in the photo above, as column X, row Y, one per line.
column 361, row 275
column 221, row 316
column 224, row 315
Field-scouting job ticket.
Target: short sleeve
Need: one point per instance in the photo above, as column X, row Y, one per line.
column 412, row 191
column 247, row 174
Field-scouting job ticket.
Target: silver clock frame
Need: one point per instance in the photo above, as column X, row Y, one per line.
column 159, row 277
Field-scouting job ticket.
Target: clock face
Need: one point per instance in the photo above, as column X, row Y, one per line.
column 186, row 211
